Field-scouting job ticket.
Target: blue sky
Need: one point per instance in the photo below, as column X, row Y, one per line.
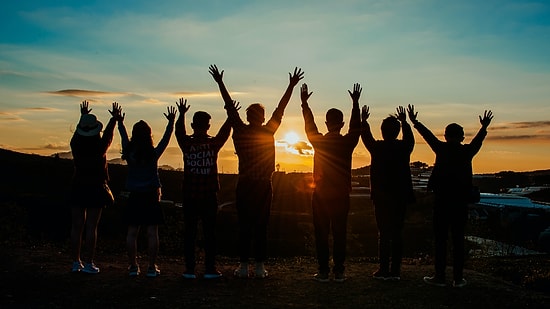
column 451, row 59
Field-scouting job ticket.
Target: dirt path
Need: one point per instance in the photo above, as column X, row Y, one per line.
column 39, row 278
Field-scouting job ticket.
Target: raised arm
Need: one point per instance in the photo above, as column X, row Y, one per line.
column 181, row 133
column 116, row 115
column 480, row 136
column 408, row 136
column 170, row 116
column 366, row 133
column 294, row 78
column 355, row 120
column 428, row 136
column 311, row 128
column 84, row 109
column 218, row 78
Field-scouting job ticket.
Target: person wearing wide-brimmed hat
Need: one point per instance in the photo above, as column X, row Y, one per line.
column 90, row 191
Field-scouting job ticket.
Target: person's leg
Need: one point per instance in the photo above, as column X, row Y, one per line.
column 78, row 218
column 131, row 244
column 321, row 225
column 153, row 244
column 208, row 216
column 458, row 225
column 441, row 230
column 190, row 219
column 384, row 240
column 397, row 239
column 92, row 220
column 264, row 195
column 339, row 213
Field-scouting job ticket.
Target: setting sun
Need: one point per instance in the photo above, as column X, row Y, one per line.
column 291, row 138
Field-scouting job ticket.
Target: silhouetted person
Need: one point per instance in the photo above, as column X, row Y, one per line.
column 255, row 147
column 391, row 187
column 90, row 192
column 451, row 182
column 143, row 206
column 200, row 186
column 332, row 181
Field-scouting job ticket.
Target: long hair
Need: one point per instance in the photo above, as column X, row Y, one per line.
column 140, row 148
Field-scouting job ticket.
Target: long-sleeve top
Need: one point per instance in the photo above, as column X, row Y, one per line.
column 332, row 153
column 143, row 176
column 89, row 156
column 200, row 156
column 390, row 172
column 255, row 145
column 452, row 172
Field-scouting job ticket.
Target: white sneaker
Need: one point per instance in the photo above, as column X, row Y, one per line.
column 260, row 270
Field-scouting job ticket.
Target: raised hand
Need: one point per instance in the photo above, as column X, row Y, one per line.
column 182, row 106
column 296, row 76
column 213, row 70
column 84, row 108
column 356, row 92
column 486, row 120
column 116, row 113
column 304, row 94
column 365, row 113
column 171, row 113
column 401, row 115
column 236, row 105
column 412, row 113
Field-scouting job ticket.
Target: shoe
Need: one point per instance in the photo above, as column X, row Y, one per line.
column 339, row 277
column 459, row 283
column 189, row 274
column 90, row 268
column 77, row 267
column 212, row 274
column 321, row 277
column 241, row 271
column 381, row 275
column 133, row 270
column 394, row 276
column 153, row 271
column 435, row 281
column 260, row 273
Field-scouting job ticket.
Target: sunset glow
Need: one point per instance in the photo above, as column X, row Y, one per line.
column 148, row 55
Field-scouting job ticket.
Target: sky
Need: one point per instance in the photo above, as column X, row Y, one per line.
column 451, row 59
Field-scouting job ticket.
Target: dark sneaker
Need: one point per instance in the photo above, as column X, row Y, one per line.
column 459, row 283
column 90, row 268
column 435, row 281
column 153, row 271
column 212, row 274
column 339, row 277
column 77, row 267
column 241, row 271
column 260, row 272
column 321, row 277
column 189, row 274
column 394, row 276
column 381, row 275
column 133, row 270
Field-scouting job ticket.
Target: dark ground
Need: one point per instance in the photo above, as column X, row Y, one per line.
column 39, row 277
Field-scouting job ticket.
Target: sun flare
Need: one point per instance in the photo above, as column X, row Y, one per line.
column 292, row 138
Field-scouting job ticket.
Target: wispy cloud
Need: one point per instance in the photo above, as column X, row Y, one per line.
column 5, row 116
column 522, row 125
column 84, row 93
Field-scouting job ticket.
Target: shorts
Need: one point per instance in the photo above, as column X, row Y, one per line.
column 91, row 196
column 143, row 208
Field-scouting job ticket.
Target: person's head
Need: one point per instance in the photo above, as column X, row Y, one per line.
column 334, row 120
column 88, row 125
column 201, row 122
column 142, row 134
column 390, row 128
column 255, row 114
column 454, row 133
